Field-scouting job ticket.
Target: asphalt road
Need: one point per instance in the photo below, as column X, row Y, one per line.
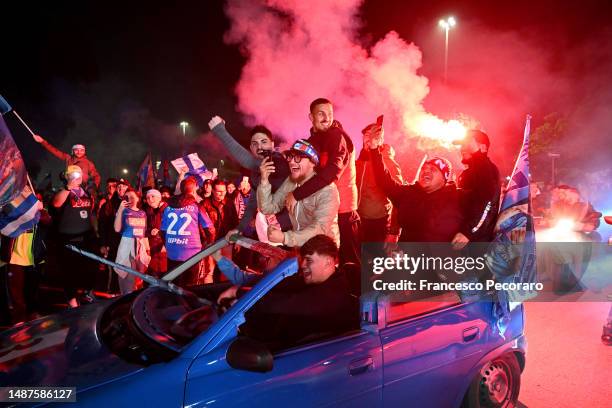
column 567, row 364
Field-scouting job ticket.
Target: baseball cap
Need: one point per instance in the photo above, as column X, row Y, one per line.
column 72, row 172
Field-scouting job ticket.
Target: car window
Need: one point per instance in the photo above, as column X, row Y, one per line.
column 397, row 311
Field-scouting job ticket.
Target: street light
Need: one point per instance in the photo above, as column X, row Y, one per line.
column 447, row 24
column 183, row 126
column 125, row 171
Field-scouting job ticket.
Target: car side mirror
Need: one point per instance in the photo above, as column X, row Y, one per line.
column 250, row 355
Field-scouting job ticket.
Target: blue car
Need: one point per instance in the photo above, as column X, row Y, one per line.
column 155, row 348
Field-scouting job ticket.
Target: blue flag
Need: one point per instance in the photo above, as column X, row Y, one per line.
column 146, row 174
column 13, row 175
column 20, row 215
column 512, row 256
column 18, row 204
column 192, row 165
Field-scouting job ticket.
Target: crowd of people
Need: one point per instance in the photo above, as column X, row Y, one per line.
column 319, row 187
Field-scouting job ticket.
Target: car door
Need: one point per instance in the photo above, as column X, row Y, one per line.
column 343, row 371
column 429, row 347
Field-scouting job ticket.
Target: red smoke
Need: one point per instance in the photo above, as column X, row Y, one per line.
column 300, row 50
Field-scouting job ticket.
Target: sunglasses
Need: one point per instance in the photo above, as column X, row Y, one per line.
column 295, row 157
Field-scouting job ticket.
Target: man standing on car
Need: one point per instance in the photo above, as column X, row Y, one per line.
column 316, row 214
column 337, row 165
column 428, row 210
column 480, row 190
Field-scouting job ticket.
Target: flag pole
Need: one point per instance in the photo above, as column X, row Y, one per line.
column 23, row 122
column 30, row 184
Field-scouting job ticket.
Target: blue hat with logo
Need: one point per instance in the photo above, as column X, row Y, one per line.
column 305, row 148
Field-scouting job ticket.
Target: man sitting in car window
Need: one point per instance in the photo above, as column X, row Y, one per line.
column 315, row 303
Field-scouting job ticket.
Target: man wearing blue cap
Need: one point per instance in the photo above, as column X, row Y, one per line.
column 315, row 214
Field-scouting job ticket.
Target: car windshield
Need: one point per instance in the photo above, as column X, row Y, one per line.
column 156, row 323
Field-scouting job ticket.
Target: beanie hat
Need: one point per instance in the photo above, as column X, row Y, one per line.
column 305, row 148
column 153, row 192
column 441, row 164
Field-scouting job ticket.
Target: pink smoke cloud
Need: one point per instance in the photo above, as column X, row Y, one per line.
column 298, row 51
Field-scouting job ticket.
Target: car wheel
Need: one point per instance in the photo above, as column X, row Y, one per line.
column 497, row 385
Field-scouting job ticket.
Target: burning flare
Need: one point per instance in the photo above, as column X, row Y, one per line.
column 436, row 129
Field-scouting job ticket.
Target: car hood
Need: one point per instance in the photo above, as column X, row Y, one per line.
column 62, row 349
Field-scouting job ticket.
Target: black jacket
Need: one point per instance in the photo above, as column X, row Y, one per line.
column 480, row 189
column 106, row 223
column 336, row 165
column 294, row 311
column 423, row 217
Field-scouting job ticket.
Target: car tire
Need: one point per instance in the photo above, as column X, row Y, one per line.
column 496, row 385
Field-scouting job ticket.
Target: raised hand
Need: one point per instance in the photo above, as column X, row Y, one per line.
column 214, row 121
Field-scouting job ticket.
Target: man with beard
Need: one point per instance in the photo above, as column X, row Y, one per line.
column 315, row 214
column 428, row 210
column 480, row 190
column 78, row 158
column 221, row 211
column 337, row 166
column 262, row 145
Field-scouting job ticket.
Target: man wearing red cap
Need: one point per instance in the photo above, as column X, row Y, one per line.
column 78, row 158
column 428, row 210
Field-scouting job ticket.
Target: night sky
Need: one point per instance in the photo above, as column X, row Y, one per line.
column 65, row 61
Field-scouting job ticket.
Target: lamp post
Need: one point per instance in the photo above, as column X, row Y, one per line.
column 447, row 24
column 183, row 126
column 553, row 157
